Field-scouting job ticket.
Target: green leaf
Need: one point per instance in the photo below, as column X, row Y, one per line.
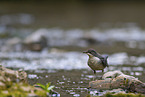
column 42, row 86
column 47, row 88
column 48, row 84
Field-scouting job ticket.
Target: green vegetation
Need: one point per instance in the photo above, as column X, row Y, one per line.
column 4, row 35
column 46, row 87
column 22, row 90
column 124, row 95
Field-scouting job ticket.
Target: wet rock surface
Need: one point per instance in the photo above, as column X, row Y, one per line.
column 115, row 80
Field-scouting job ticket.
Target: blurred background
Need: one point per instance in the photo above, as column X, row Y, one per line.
column 46, row 39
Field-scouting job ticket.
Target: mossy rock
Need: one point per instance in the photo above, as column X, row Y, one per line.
column 22, row 90
column 116, row 79
column 14, row 84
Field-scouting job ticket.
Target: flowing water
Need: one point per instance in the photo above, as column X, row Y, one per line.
column 69, row 31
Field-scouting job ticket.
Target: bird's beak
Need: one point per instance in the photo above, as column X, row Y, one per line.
column 85, row 52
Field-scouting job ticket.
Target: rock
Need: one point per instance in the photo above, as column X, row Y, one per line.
column 7, row 75
column 2, row 85
column 13, row 41
column 5, row 92
column 100, row 84
column 22, row 75
column 26, row 88
column 111, row 74
column 116, row 91
column 36, row 41
column 13, row 44
column 32, row 95
column 14, row 84
column 123, row 94
column 116, row 79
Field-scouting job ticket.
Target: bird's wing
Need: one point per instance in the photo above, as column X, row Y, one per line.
column 104, row 60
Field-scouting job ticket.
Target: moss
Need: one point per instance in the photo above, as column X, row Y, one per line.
column 41, row 93
column 22, row 90
column 4, row 35
column 90, row 96
column 124, row 95
column 126, row 82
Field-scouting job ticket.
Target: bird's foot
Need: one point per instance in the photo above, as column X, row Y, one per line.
column 100, row 78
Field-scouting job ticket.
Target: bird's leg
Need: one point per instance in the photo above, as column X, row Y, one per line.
column 102, row 72
column 94, row 71
column 94, row 74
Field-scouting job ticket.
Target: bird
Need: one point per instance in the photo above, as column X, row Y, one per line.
column 96, row 61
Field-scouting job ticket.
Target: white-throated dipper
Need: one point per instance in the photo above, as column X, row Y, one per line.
column 96, row 61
